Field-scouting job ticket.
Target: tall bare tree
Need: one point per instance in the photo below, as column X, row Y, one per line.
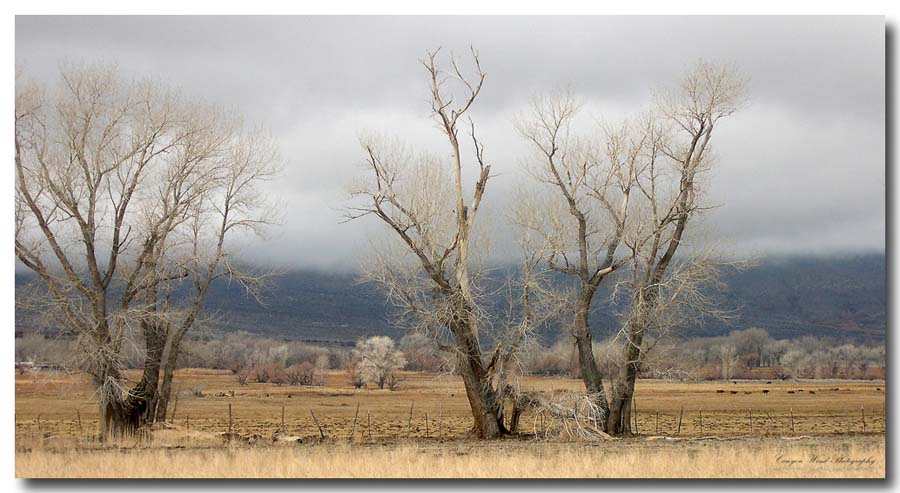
column 581, row 217
column 626, row 206
column 664, row 292
column 112, row 177
column 424, row 201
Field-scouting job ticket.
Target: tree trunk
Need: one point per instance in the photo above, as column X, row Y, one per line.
column 143, row 398
column 117, row 417
column 487, row 411
column 123, row 415
column 590, row 374
column 168, row 369
column 619, row 418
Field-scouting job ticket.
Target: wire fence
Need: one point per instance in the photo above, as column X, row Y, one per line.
column 430, row 424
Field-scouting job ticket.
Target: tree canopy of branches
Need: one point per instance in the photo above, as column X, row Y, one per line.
column 125, row 195
column 623, row 205
column 376, row 359
column 426, row 203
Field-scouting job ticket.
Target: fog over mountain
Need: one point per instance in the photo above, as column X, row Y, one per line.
column 802, row 166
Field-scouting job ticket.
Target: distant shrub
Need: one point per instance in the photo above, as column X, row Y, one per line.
column 302, row 374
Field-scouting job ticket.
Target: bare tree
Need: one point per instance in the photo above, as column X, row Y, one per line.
column 426, row 204
column 663, row 292
column 376, row 359
column 796, row 362
column 112, row 177
column 750, row 342
column 581, row 224
column 626, row 206
column 233, row 206
column 727, row 359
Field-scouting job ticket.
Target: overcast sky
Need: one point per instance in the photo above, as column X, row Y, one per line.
column 801, row 168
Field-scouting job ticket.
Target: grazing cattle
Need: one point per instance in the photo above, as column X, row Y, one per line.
column 812, row 391
column 768, row 381
column 747, row 392
column 734, row 391
column 766, row 391
column 720, row 391
column 790, row 391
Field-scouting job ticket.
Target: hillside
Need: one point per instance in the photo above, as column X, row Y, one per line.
column 790, row 297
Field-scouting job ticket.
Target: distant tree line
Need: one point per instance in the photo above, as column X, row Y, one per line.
column 742, row 354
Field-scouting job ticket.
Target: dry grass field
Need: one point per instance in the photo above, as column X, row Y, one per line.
column 855, row 457
column 841, row 421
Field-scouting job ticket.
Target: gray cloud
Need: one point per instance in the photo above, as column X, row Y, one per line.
column 802, row 167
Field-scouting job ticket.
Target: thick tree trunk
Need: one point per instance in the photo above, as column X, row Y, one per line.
column 145, row 395
column 590, row 374
column 619, row 419
column 487, row 410
column 117, row 417
column 124, row 415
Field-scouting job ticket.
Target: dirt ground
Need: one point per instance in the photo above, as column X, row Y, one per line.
column 49, row 406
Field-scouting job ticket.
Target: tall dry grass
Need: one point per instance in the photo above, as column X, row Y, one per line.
column 508, row 459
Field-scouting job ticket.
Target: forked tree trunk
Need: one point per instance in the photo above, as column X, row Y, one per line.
column 487, row 413
column 123, row 415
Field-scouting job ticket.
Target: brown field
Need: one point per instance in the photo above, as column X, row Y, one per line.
column 434, row 442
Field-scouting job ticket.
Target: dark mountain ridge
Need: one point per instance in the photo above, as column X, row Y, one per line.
column 842, row 297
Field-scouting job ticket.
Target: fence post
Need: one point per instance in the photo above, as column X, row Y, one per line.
column 229, row 421
column 792, row 422
column 750, row 414
column 369, row 424
column 409, row 420
column 355, row 417
column 680, row 415
column 316, row 421
column 188, row 422
column 657, row 422
column 863, row 411
column 637, row 430
column 78, row 414
column 426, row 424
column 441, row 423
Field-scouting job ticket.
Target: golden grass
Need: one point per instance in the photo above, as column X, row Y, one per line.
column 856, row 457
